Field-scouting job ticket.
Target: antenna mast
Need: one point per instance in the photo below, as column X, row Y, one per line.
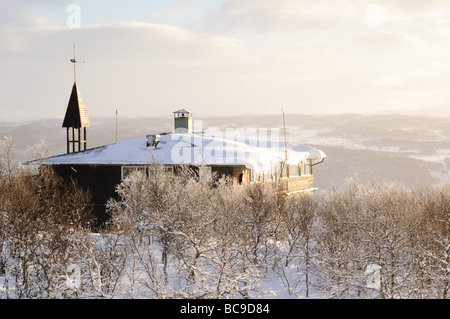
column 74, row 61
column 284, row 128
column 116, row 125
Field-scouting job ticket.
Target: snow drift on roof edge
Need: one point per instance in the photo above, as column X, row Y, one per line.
column 257, row 155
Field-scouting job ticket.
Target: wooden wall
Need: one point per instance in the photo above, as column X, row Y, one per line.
column 99, row 180
column 298, row 183
column 294, row 184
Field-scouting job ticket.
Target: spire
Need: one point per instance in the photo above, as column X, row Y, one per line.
column 76, row 114
column 76, row 117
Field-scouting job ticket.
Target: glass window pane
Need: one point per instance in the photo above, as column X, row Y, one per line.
column 293, row 170
column 128, row 170
column 285, row 170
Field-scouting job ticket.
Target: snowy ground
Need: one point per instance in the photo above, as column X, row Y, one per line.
column 410, row 150
column 271, row 287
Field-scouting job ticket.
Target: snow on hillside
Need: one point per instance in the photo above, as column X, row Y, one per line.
column 406, row 149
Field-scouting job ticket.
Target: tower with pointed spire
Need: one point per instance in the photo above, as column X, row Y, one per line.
column 76, row 119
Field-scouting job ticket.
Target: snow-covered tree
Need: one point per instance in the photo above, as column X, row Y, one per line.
column 433, row 248
column 338, row 264
column 193, row 235
column 296, row 245
column 384, row 227
column 38, row 214
column 260, row 217
column 9, row 165
column 193, row 224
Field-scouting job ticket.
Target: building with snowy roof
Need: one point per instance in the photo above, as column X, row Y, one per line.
column 245, row 155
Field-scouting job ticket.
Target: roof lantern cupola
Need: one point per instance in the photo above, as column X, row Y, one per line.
column 183, row 121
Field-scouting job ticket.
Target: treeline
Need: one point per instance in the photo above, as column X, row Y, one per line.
column 363, row 241
column 39, row 217
column 190, row 236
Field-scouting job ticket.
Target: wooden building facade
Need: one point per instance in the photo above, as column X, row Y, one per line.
column 99, row 170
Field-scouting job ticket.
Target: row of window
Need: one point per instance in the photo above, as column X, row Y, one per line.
column 292, row 170
column 281, row 170
column 144, row 170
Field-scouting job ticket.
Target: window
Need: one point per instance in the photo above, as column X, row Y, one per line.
column 204, row 172
column 128, row 170
column 169, row 170
column 294, row 170
column 284, row 169
column 305, row 168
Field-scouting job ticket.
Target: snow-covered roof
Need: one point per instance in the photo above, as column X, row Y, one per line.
column 182, row 111
column 257, row 155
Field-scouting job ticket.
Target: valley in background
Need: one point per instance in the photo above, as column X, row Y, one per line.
column 410, row 150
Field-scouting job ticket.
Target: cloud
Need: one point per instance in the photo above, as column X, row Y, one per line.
column 141, row 68
column 382, row 39
column 247, row 57
column 287, row 15
column 292, row 16
column 389, row 80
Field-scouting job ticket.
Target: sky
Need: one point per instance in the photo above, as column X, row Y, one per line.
column 224, row 57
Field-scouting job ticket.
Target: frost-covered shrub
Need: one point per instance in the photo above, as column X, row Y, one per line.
column 39, row 214
column 181, row 236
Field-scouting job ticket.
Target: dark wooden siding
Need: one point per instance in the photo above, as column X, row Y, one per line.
column 99, row 180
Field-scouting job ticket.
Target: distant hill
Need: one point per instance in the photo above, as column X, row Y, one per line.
column 411, row 150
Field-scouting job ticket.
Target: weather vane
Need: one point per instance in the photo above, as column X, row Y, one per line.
column 74, row 61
